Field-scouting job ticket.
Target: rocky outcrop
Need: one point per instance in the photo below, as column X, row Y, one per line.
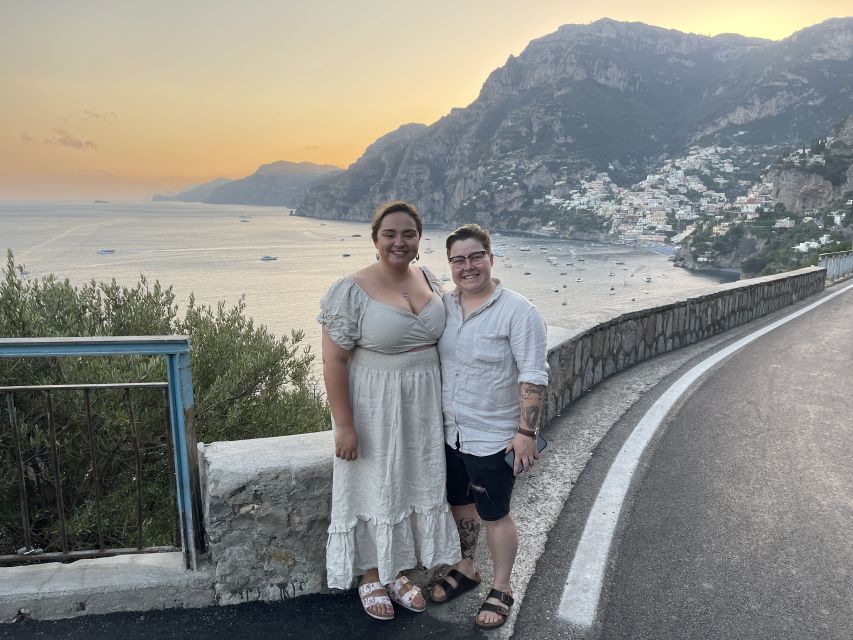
column 799, row 189
column 609, row 96
column 814, row 186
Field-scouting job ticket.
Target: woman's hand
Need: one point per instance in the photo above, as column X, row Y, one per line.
column 525, row 452
column 346, row 443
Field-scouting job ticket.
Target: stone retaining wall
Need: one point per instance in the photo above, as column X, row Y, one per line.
column 580, row 363
column 267, row 501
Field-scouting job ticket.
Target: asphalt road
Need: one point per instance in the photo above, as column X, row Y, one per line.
column 740, row 521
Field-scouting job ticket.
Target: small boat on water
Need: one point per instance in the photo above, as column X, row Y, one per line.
column 269, row 258
column 578, row 279
column 647, row 279
column 106, row 252
column 346, row 255
column 619, row 262
column 524, row 248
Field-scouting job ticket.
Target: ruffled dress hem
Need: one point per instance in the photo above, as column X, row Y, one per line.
column 423, row 536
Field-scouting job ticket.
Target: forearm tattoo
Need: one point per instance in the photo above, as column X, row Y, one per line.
column 531, row 403
column 469, row 532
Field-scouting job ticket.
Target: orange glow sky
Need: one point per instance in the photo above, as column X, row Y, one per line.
column 127, row 99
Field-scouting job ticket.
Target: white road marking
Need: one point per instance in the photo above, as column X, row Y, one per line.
column 582, row 590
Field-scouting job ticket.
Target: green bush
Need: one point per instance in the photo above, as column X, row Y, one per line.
column 247, row 383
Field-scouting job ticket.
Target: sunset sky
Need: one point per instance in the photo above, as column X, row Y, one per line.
column 127, row 99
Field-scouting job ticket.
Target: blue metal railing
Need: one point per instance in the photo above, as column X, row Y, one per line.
column 180, row 410
column 837, row 265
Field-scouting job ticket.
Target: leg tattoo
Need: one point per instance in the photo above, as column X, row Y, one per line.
column 469, row 532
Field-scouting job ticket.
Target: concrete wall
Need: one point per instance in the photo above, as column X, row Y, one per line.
column 267, row 501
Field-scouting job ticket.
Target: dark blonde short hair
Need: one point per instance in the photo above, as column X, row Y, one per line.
column 467, row 231
column 397, row 206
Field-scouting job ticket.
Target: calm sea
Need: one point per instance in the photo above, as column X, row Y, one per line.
column 215, row 251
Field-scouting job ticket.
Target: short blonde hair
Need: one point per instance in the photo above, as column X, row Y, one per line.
column 467, row 231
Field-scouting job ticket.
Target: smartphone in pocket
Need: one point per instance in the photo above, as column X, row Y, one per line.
column 510, row 457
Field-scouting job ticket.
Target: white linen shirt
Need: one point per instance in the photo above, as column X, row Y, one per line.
column 484, row 358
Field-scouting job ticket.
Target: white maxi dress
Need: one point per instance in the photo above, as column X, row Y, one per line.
column 389, row 506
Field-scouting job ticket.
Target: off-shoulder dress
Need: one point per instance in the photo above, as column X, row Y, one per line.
column 389, row 506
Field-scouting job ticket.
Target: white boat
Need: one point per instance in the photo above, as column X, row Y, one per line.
column 106, row 252
column 269, row 258
column 524, row 248
column 498, row 251
column 578, row 279
column 647, row 279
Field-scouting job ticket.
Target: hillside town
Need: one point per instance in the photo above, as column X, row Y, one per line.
column 712, row 189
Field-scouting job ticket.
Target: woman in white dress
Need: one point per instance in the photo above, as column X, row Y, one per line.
column 383, row 383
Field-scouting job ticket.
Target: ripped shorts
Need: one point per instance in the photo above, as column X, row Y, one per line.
column 485, row 481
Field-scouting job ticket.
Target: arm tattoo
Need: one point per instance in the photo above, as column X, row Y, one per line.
column 469, row 532
column 532, row 396
column 530, row 417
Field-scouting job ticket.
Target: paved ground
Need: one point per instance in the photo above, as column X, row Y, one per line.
column 740, row 525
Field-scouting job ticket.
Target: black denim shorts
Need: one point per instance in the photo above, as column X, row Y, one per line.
column 485, row 481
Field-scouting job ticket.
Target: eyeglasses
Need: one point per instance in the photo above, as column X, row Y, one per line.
column 476, row 258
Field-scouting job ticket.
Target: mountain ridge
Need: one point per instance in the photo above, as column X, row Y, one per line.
column 607, row 96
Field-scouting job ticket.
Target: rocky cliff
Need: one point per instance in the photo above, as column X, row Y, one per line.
column 606, row 96
column 806, row 184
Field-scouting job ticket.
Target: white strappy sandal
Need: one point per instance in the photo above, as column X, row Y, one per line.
column 402, row 597
column 368, row 600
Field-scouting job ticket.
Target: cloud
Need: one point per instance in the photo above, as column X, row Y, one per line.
column 106, row 118
column 87, row 115
column 26, row 137
column 65, row 139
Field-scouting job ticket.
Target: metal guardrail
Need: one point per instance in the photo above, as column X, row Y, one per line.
column 180, row 438
column 837, row 265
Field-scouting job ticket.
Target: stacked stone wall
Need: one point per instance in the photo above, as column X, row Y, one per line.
column 267, row 501
column 580, row 363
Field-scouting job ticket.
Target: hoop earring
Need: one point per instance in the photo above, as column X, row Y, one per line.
column 377, row 256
